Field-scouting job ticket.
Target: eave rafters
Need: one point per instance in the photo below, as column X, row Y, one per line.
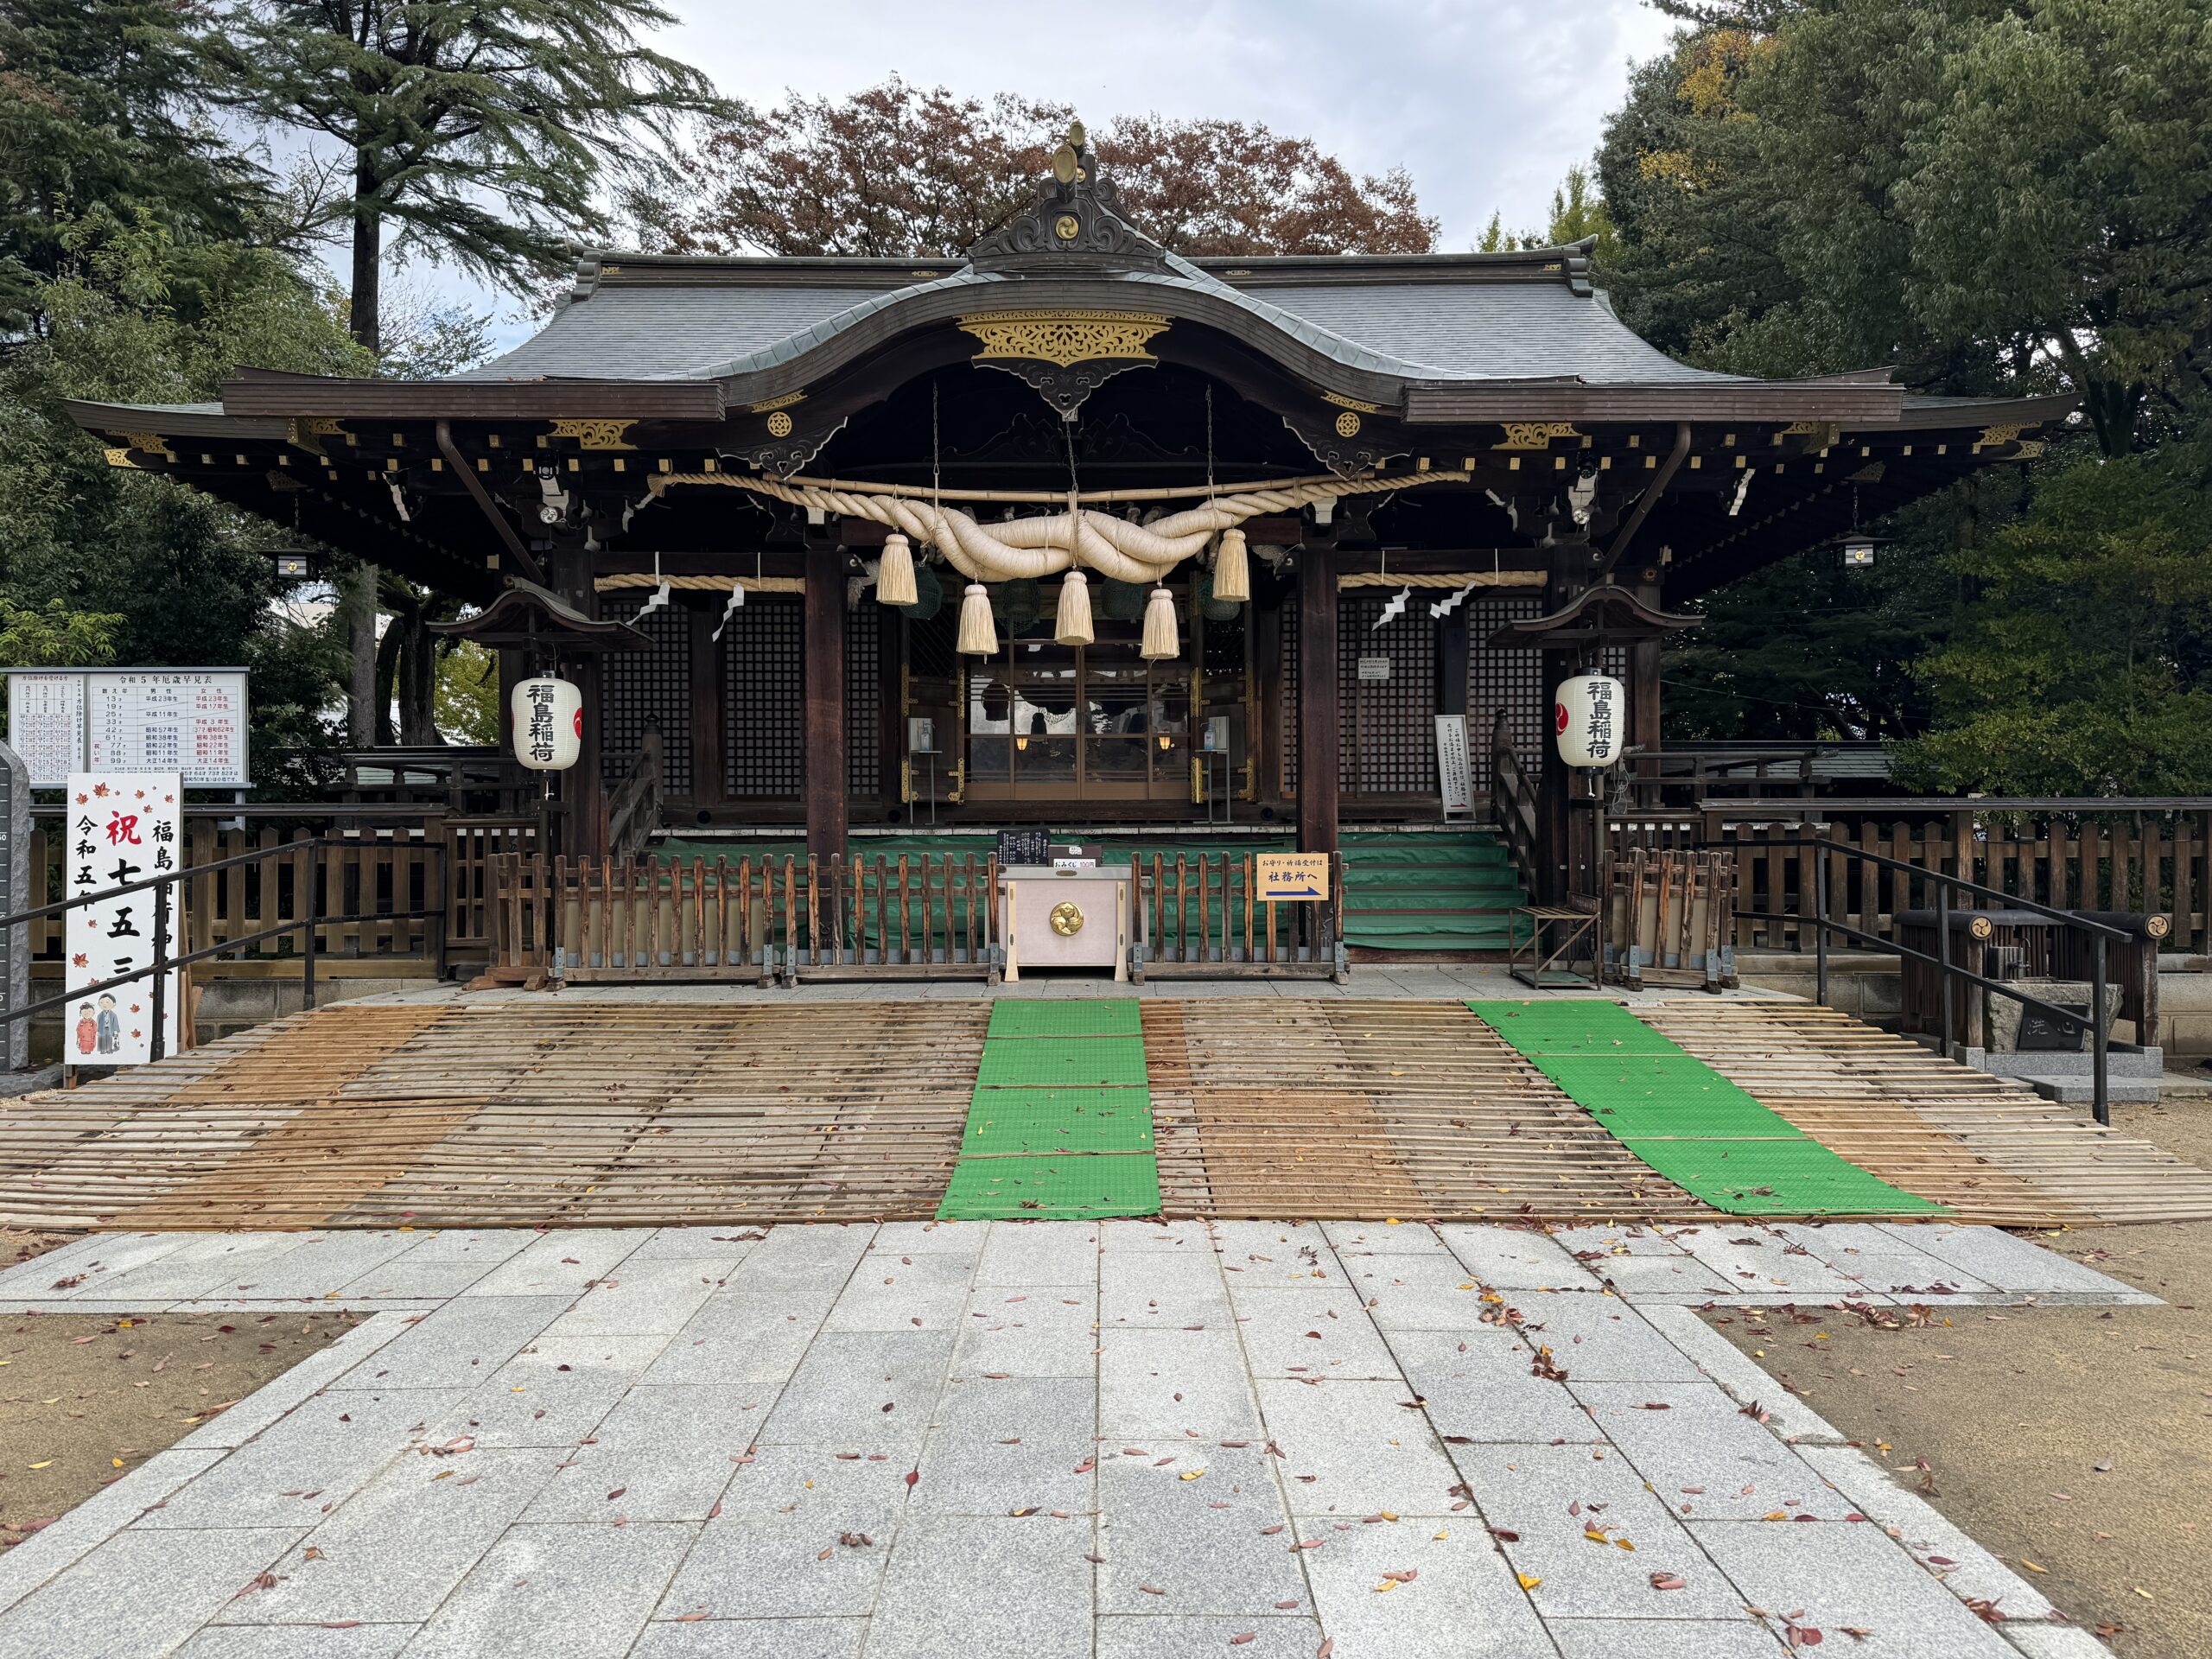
column 352, row 471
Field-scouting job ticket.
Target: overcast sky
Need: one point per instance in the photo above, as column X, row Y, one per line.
column 1486, row 103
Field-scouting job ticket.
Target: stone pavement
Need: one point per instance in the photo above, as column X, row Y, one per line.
column 1126, row 1439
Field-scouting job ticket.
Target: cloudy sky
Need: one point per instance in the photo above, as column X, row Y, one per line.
column 1486, row 103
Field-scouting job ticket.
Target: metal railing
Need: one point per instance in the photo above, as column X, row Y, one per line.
column 310, row 925
column 2099, row 935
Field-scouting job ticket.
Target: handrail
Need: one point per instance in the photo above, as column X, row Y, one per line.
column 1513, row 802
column 164, row 964
column 634, row 810
column 2098, row 934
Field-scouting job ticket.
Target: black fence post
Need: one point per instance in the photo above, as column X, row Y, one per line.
column 438, row 909
column 312, row 901
column 156, row 1049
column 1943, row 959
column 2100, row 1099
column 1820, row 922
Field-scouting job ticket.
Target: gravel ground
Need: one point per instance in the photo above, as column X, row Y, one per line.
column 2075, row 1442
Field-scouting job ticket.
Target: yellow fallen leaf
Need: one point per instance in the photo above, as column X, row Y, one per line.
column 1441, row 1536
column 1190, row 1474
column 115, row 1462
column 1388, row 1514
column 1528, row 1581
column 48, row 1463
column 1622, row 1543
column 50, row 1399
column 1389, row 1221
column 2141, row 1592
column 1775, row 1514
column 124, row 1325
column 1387, row 1585
column 2032, row 1567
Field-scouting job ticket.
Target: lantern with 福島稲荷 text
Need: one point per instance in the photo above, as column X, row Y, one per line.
column 549, row 720
column 1588, row 716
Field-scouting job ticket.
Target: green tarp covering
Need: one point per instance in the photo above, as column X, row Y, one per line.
column 1684, row 1119
column 1060, row 1123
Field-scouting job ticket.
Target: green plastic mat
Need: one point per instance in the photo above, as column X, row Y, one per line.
column 1060, row 1123
column 1094, row 1017
column 1685, row 1120
column 1056, row 1062
column 1071, row 1187
column 996, row 1129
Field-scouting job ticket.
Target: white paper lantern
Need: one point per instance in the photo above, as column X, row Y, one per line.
column 549, row 724
column 1589, row 714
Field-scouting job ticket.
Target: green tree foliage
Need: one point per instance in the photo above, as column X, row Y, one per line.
column 98, row 107
column 1577, row 211
column 1997, row 199
column 468, row 704
column 487, row 134
column 2084, row 662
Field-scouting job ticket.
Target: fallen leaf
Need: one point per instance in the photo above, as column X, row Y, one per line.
column 1528, row 1581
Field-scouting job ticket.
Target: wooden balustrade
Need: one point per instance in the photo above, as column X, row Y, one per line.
column 2067, row 857
column 360, row 884
column 908, row 915
column 1199, row 914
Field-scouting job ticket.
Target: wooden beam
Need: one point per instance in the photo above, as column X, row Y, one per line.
column 1318, row 696
column 825, row 700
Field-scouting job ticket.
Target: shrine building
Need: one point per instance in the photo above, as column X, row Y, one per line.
column 1072, row 531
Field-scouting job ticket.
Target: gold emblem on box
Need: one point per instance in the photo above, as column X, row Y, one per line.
column 1067, row 919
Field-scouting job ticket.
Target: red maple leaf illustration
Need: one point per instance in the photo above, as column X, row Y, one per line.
column 134, row 1034
column 79, row 960
column 100, row 789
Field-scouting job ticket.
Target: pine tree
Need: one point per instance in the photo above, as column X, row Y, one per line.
column 487, row 134
column 98, row 105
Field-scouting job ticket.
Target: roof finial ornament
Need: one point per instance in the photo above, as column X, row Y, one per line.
column 1070, row 225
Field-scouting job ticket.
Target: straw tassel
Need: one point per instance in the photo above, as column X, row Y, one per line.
column 1071, row 624
column 894, row 576
column 1232, row 580
column 979, row 636
column 1160, row 641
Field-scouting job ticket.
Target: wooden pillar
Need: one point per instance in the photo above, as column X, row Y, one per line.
column 825, row 699
column 1554, row 778
column 1644, row 688
column 583, row 787
column 1318, row 698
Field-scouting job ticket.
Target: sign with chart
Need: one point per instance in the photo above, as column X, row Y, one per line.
column 122, row 827
column 189, row 721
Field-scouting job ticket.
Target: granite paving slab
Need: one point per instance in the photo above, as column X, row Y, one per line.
column 591, row 1447
column 556, row 1592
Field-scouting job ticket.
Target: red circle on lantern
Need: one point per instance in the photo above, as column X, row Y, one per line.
column 579, row 722
column 1559, row 717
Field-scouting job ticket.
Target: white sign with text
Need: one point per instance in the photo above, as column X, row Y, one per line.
column 122, row 827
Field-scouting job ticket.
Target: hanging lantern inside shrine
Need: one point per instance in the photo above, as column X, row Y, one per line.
column 1589, row 716
column 549, row 724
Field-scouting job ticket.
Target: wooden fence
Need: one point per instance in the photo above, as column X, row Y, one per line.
column 884, row 916
column 1200, row 914
column 360, row 886
column 2156, row 862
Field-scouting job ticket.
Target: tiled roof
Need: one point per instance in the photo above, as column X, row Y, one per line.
column 1448, row 318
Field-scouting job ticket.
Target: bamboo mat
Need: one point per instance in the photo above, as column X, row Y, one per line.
column 564, row 1110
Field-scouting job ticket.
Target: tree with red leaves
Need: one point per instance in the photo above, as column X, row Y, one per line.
column 899, row 172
